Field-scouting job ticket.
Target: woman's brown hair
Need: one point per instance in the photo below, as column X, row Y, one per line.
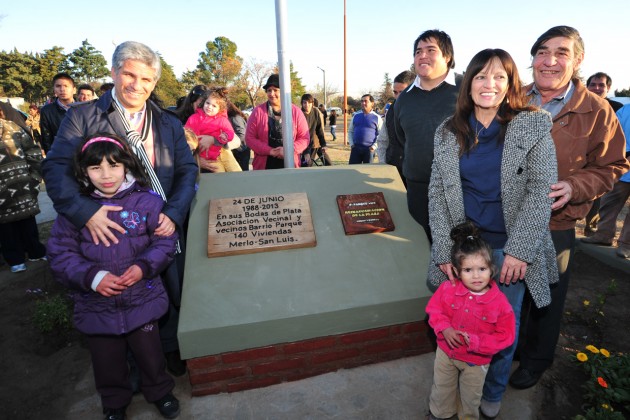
column 514, row 102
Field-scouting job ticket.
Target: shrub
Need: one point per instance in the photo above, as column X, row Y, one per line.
column 607, row 389
column 53, row 313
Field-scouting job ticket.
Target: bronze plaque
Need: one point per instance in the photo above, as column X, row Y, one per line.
column 260, row 223
column 364, row 213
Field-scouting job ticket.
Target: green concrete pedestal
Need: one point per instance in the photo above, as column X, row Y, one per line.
column 343, row 284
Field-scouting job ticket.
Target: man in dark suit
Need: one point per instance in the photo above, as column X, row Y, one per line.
column 127, row 111
column 53, row 113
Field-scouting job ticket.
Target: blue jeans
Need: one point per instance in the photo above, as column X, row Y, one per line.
column 499, row 371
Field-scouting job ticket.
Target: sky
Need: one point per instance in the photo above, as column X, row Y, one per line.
column 379, row 34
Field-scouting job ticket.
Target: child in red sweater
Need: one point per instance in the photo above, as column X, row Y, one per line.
column 472, row 320
column 213, row 128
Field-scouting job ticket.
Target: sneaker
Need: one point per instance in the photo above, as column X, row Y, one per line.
column 168, row 406
column 44, row 258
column 18, row 268
column 115, row 413
column 490, row 409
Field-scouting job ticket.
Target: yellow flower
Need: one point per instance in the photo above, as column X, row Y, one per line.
column 592, row 349
column 586, row 303
column 605, row 406
column 604, row 352
column 582, row 357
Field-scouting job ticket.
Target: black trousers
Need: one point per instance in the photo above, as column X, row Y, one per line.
column 111, row 371
column 173, row 278
column 242, row 157
column 19, row 238
column 418, row 204
column 540, row 328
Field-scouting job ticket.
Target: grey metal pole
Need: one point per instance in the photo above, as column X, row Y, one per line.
column 325, row 101
column 285, row 84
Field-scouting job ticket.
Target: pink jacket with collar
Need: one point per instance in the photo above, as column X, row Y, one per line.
column 488, row 319
column 257, row 135
column 211, row 125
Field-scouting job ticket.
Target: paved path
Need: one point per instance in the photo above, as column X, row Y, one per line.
column 392, row 390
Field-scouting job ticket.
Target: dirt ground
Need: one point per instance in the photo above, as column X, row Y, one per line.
column 39, row 372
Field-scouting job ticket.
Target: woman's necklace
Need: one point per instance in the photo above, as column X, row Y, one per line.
column 478, row 131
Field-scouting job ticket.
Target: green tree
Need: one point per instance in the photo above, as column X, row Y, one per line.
column 17, row 74
column 622, row 92
column 297, row 88
column 168, row 88
column 218, row 65
column 51, row 62
column 20, row 75
column 189, row 80
column 386, row 94
column 87, row 64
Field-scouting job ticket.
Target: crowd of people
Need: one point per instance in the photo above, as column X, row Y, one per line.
column 497, row 175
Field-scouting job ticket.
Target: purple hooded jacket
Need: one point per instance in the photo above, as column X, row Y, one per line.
column 75, row 260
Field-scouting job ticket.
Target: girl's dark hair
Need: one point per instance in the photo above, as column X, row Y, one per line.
column 96, row 151
column 233, row 110
column 466, row 242
column 185, row 109
column 514, row 102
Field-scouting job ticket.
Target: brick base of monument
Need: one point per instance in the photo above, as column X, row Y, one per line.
column 270, row 365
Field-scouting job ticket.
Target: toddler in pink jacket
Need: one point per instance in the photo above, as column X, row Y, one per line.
column 473, row 321
column 211, row 125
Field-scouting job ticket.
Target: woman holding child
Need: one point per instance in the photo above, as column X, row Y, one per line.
column 494, row 162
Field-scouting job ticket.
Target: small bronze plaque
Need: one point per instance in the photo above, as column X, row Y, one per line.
column 364, row 213
column 244, row 225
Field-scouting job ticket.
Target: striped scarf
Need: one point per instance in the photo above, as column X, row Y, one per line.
column 136, row 141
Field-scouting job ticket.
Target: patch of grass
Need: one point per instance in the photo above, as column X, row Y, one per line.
column 53, row 313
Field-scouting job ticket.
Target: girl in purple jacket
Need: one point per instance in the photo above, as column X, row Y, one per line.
column 117, row 290
column 473, row 321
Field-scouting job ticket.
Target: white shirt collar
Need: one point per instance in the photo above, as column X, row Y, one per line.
column 134, row 119
column 450, row 79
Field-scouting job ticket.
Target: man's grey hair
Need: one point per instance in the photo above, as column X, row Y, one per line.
column 131, row 50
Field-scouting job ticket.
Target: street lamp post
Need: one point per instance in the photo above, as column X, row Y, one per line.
column 325, row 102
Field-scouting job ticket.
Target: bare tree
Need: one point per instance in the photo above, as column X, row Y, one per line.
column 255, row 74
column 331, row 92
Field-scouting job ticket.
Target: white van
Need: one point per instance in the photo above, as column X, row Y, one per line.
column 334, row 108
